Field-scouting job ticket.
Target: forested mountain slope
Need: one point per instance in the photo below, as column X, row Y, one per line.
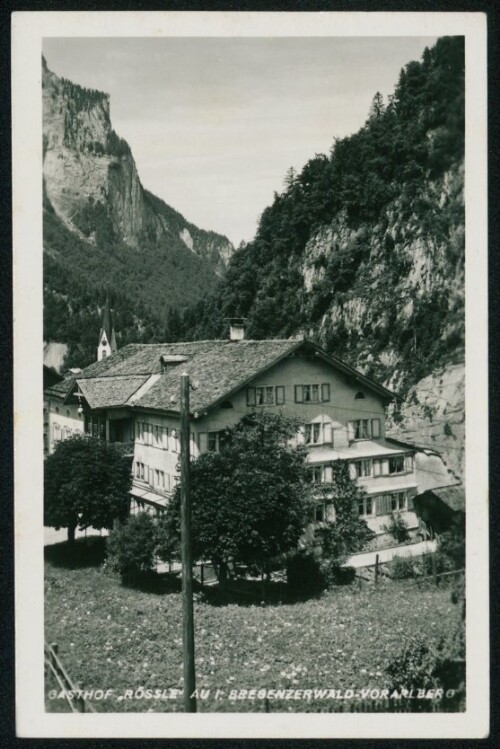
column 103, row 229
column 363, row 251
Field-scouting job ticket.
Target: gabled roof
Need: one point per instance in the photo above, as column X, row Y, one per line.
column 61, row 389
column 217, row 369
column 106, row 392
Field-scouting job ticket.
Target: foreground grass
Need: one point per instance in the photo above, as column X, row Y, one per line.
column 117, row 638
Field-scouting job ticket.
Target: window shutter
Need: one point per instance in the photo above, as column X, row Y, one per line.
column 328, row 474
column 301, row 435
column 299, row 394
column 327, row 433
column 375, row 427
column 409, row 502
column 203, row 441
column 350, row 431
column 280, row 395
column 384, row 467
column 325, row 392
column 352, row 470
column 383, row 504
column 251, row 397
column 408, row 463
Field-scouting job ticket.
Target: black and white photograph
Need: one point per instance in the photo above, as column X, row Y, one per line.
column 252, row 248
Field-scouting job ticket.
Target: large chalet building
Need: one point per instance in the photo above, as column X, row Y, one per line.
column 132, row 396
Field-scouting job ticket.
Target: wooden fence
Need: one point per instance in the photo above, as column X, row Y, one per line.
column 55, row 669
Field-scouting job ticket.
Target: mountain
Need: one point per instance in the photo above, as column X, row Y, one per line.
column 101, row 227
column 363, row 250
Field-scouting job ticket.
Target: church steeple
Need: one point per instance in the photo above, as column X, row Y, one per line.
column 107, row 339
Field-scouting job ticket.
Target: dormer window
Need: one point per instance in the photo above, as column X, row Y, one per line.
column 169, row 361
column 104, row 353
column 359, row 395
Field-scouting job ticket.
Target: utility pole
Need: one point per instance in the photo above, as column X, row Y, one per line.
column 187, row 556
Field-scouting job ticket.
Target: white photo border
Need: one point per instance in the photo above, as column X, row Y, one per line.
column 28, row 30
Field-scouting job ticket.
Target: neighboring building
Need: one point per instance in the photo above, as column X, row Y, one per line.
column 439, row 508
column 132, row 396
column 61, row 419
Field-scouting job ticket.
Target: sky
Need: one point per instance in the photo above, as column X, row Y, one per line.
column 215, row 123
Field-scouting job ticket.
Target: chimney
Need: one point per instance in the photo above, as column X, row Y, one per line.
column 236, row 328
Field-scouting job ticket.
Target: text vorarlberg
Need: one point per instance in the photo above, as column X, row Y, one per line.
column 239, row 695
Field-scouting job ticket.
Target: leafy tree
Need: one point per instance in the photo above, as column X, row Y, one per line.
column 250, row 501
column 348, row 533
column 86, row 483
column 131, row 546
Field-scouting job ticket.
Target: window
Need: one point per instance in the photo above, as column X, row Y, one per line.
column 213, row 442
column 366, row 507
column 398, row 501
column 312, row 433
column 359, row 429
column 397, row 464
column 312, row 393
column 140, row 471
column 317, row 474
column 375, row 428
column 359, row 396
column 319, row 513
column 267, row 395
column 209, row 441
column 57, row 432
column 321, row 474
column 362, row 468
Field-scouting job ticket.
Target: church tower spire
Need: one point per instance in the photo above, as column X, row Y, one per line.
column 107, row 339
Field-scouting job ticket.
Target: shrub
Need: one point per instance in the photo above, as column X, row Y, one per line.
column 334, row 574
column 131, row 547
column 419, row 667
column 425, row 563
column 304, row 574
column 397, row 528
column 401, row 568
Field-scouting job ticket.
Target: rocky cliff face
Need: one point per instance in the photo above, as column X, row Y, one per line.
column 408, row 279
column 91, row 180
column 433, row 414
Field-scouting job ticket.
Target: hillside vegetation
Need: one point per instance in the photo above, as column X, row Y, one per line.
column 102, row 228
column 363, row 250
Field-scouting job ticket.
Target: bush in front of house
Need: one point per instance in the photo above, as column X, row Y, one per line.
column 401, row 567
column 304, row 574
column 397, row 528
column 335, row 575
column 131, row 547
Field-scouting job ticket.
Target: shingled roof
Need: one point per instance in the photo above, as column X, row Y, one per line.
column 216, row 371
column 106, row 392
column 453, row 496
column 216, row 368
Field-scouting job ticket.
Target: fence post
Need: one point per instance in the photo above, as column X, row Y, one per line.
column 376, row 569
column 202, row 574
column 434, row 569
